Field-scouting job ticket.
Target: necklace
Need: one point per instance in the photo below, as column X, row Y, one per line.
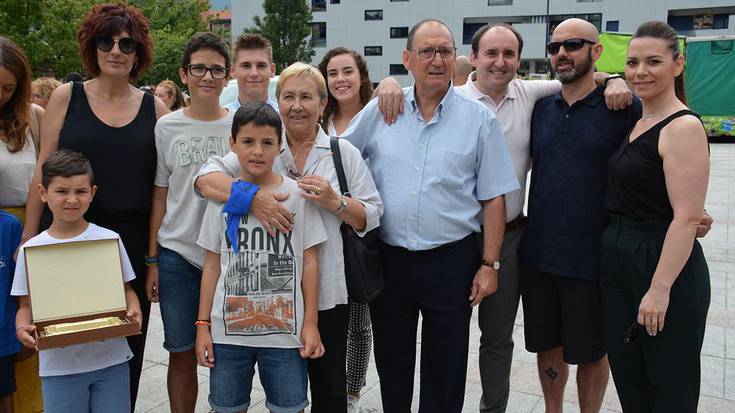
column 290, row 164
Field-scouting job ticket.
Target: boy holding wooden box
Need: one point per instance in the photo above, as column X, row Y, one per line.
column 81, row 377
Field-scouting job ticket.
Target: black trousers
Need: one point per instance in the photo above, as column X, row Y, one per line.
column 654, row 373
column 436, row 283
column 327, row 374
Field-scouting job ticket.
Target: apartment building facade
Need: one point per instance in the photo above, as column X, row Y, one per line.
column 378, row 28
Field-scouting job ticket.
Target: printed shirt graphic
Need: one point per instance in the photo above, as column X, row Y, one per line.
column 258, row 300
column 184, row 145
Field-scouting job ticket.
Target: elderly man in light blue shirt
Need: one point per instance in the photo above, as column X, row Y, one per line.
column 442, row 170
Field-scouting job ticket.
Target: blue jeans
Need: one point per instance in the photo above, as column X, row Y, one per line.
column 178, row 295
column 282, row 374
column 106, row 391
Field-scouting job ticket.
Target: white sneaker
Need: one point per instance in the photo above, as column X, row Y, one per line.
column 353, row 404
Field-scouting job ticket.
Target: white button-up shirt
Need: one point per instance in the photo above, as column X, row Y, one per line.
column 514, row 113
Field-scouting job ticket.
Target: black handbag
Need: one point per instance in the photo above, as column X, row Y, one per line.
column 363, row 273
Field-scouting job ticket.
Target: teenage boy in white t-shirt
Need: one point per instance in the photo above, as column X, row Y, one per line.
column 90, row 377
column 259, row 293
column 184, row 140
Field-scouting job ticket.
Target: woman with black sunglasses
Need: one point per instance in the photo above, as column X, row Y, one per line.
column 111, row 122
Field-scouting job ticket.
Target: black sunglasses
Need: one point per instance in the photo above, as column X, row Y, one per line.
column 126, row 45
column 570, row 45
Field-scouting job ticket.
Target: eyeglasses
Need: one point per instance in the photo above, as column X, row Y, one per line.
column 428, row 53
column 218, row 72
column 294, row 173
column 126, row 45
column 570, row 45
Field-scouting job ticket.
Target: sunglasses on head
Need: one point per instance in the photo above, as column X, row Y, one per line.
column 126, row 45
column 570, row 45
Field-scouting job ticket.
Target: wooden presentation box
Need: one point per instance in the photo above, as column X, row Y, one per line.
column 76, row 293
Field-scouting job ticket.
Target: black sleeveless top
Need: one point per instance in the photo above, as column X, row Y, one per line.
column 636, row 185
column 123, row 159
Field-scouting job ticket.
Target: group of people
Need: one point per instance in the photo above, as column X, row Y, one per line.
column 229, row 218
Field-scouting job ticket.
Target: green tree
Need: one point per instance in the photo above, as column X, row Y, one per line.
column 172, row 23
column 287, row 24
column 46, row 30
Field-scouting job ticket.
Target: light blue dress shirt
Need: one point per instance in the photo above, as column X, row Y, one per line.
column 433, row 176
column 235, row 105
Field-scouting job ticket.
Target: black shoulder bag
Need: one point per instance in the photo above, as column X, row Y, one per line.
column 363, row 273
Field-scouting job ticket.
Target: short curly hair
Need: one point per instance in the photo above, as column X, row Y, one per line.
column 45, row 86
column 109, row 19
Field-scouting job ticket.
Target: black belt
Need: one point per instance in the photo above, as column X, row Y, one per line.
column 518, row 223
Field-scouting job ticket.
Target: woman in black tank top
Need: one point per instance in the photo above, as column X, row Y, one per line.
column 654, row 278
column 112, row 123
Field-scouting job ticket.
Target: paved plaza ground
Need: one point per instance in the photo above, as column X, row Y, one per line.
column 718, row 354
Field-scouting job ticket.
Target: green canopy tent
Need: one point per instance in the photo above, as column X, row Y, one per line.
column 710, row 82
column 708, row 76
column 615, row 50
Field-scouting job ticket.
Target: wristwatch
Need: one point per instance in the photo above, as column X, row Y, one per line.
column 342, row 205
column 607, row 79
column 492, row 264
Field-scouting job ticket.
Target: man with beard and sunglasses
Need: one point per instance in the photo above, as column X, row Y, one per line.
column 573, row 134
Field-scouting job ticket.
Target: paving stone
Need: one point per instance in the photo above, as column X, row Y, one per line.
column 730, row 343
column 714, row 341
column 713, row 374
column 730, row 380
column 152, row 389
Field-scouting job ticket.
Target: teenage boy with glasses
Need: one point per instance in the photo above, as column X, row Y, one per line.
column 184, row 141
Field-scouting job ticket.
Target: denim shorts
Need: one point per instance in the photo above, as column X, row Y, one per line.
column 282, row 373
column 103, row 390
column 178, row 297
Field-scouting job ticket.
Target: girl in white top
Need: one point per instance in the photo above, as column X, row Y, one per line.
column 349, row 90
column 18, row 121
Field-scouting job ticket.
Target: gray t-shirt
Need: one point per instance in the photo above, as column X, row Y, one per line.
column 258, row 300
column 183, row 145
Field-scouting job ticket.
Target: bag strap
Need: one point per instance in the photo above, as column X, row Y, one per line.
column 337, row 157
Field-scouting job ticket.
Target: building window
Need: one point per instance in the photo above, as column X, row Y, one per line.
column 499, row 2
column 319, row 34
column 334, row 1
column 397, row 70
column 373, row 50
column 721, row 21
column 373, row 14
column 318, row 5
column 398, row 32
column 468, row 30
column 595, row 19
column 612, row 25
